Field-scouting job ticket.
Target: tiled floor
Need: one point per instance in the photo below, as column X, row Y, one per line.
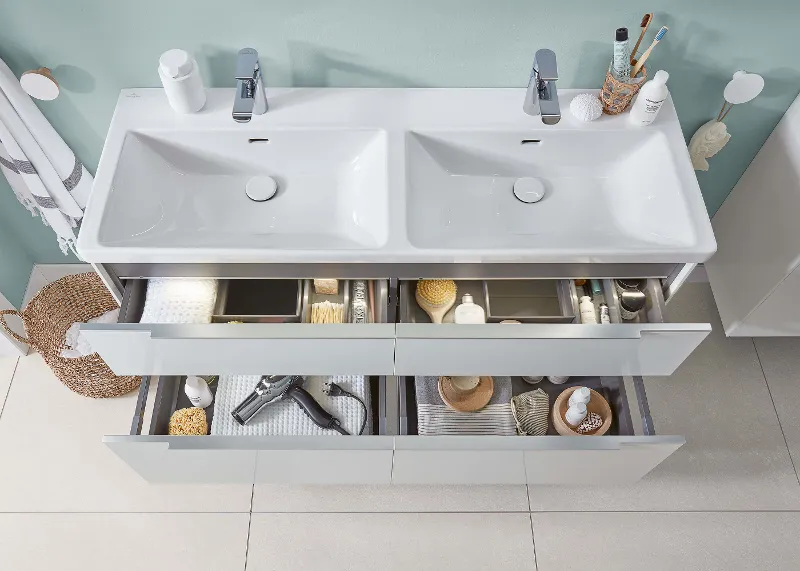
column 729, row 499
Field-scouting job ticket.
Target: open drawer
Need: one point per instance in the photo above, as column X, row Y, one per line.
column 330, row 459
column 643, row 346
column 133, row 348
column 624, row 455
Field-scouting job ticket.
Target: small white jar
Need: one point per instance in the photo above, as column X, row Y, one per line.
column 576, row 414
column 197, row 391
column 580, row 395
column 182, row 82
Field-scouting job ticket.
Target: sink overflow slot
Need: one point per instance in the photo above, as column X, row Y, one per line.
column 258, row 140
column 530, row 141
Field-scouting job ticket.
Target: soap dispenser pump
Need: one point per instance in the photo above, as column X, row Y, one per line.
column 469, row 311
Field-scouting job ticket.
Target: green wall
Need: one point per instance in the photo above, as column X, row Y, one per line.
column 97, row 47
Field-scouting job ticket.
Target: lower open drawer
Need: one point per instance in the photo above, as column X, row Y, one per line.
column 623, row 455
column 158, row 457
column 643, row 346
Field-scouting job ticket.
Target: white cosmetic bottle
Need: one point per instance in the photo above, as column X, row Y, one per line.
column 576, row 414
column 586, row 307
column 581, row 394
column 469, row 311
column 650, row 99
column 198, row 392
column 182, row 82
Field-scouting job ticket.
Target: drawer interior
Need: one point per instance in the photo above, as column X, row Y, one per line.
column 274, row 300
column 612, row 389
column 170, row 396
column 536, row 301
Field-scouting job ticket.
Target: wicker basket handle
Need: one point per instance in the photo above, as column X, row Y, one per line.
column 5, row 312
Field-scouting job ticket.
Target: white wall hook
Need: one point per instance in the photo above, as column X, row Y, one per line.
column 40, row 84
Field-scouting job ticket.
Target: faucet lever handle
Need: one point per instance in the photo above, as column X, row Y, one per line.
column 247, row 64
column 544, row 63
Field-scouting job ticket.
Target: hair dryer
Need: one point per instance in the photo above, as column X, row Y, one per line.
column 273, row 388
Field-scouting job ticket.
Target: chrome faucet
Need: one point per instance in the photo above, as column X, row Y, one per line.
column 250, row 98
column 542, row 96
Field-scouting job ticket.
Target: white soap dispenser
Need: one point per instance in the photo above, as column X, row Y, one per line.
column 469, row 312
column 198, row 392
column 650, row 99
column 182, row 82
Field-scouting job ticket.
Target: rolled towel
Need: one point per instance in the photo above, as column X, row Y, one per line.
column 77, row 345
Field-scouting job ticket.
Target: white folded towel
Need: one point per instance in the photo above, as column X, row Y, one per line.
column 77, row 345
column 179, row 301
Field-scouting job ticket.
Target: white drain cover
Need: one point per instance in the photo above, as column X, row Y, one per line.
column 261, row 188
column 529, row 190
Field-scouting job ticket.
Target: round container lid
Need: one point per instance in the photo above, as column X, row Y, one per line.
column 176, row 63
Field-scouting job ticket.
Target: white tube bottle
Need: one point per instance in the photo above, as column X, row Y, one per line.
column 182, row 82
column 650, row 99
column 198, row 392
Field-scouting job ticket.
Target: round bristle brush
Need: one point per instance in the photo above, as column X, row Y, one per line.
column 436, row 297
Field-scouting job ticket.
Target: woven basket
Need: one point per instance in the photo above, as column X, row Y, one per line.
column 76, row 298
column 616, row 95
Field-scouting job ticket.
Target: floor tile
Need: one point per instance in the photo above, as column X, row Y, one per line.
column 80, row 542
column 274, row 498
column 735, row 457
column 667, row 541
column 53, row 458
column 780, row 359
column 7, row 366
column 356, row 542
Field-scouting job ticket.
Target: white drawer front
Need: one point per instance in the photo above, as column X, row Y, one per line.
column 456, row 460
column 327, row 460
column 243, row 459
column 603, row 460
column 606, row 460
column 290, row 348
column 545, row 349
column 185, row 459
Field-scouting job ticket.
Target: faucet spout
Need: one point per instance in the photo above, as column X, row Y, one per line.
column 542, row 95
column 250, row 98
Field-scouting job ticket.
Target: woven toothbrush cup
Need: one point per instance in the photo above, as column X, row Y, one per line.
column 75, row 298
column 616, row 95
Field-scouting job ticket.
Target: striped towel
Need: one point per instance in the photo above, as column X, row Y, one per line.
column 434, row 418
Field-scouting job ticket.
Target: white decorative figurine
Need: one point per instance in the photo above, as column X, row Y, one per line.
column 707, row 142
column 586, row 107
column 711, row 137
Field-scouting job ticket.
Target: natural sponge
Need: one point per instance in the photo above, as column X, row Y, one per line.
column 188, row 422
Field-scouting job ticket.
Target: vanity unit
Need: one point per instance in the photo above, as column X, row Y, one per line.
column 394, row 185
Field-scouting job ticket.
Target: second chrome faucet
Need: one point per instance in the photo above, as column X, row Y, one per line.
column 250, row 98
column 542, row 95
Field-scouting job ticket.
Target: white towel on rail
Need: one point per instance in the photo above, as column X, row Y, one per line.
column 44, row 173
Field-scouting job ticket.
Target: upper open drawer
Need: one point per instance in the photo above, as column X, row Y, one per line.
column 133, row 348
column 643, row 346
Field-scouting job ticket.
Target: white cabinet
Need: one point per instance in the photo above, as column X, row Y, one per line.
column 754, row 274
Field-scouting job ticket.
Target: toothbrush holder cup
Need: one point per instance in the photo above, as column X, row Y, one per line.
column 616, row 96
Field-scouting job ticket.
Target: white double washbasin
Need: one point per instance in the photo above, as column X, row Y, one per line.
column 390, row 175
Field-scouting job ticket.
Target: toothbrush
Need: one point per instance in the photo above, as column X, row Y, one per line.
column 661, row 33
column 647, row 19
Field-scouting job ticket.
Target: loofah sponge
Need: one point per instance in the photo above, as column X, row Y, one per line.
column 586, row 107
column 188, row 422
